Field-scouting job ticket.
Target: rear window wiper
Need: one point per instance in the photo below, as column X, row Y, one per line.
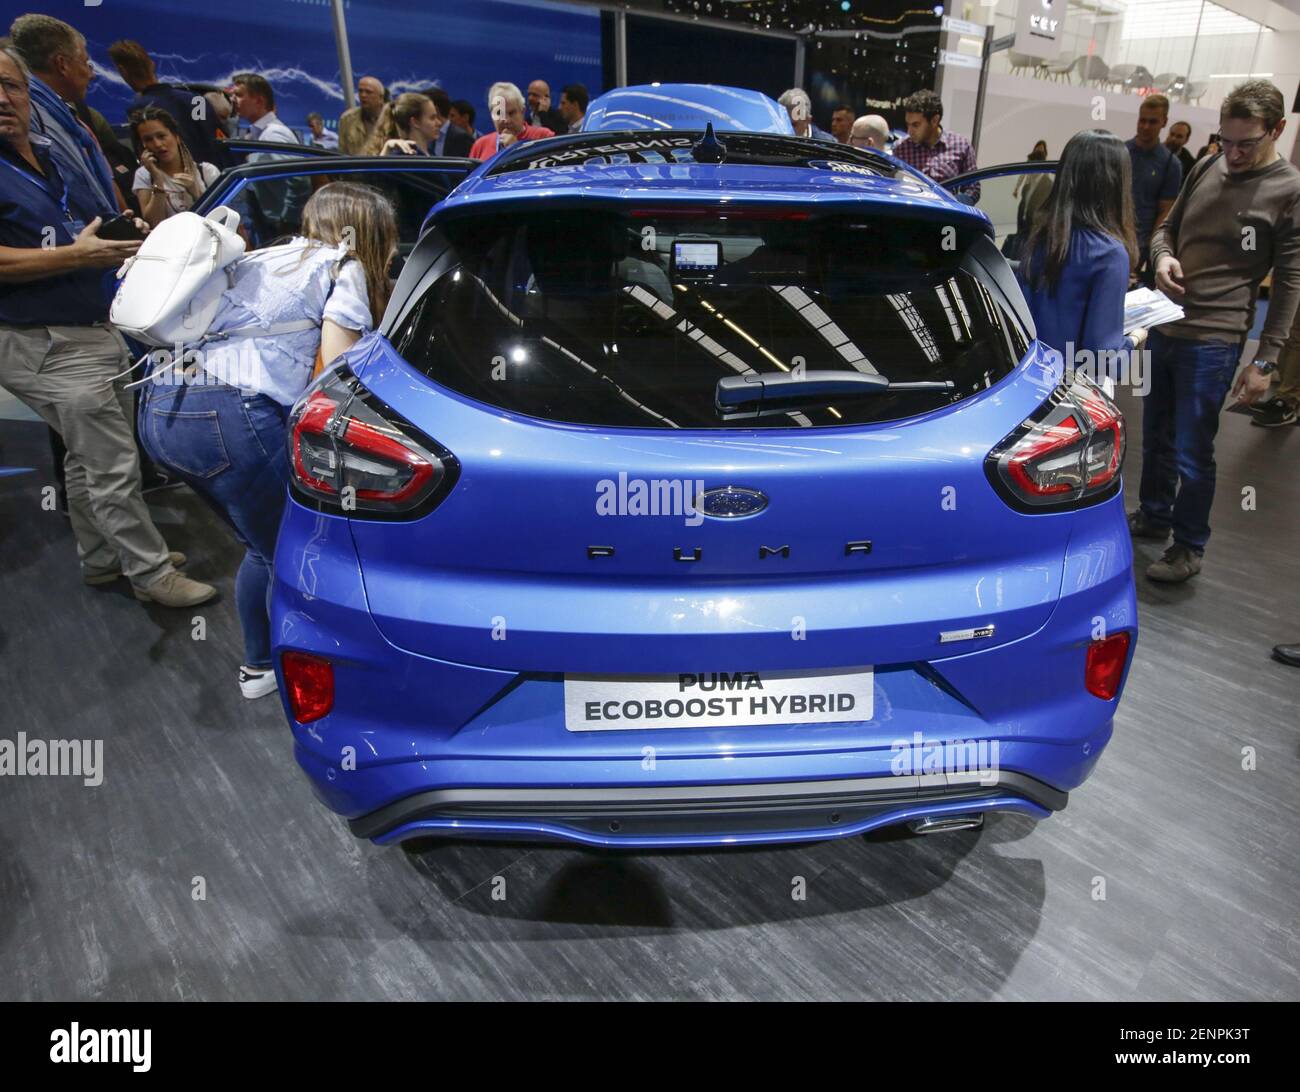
column 776, row 393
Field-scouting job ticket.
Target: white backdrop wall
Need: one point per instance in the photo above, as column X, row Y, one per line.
column 1019, row 111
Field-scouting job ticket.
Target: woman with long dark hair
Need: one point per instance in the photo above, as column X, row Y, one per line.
column 1077, row 257
column 217, row 418
column 169, row 180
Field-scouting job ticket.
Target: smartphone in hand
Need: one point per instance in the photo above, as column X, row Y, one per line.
column 120, row 229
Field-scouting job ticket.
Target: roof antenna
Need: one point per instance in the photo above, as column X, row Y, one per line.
column 710, row 149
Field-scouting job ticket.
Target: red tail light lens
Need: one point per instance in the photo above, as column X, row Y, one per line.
column 1068, row 454
column 351, row 454
column 308, row 684
column 1105, row 665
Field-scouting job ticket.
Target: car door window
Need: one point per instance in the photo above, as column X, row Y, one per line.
column 270, row 204
column 1012, row 196
column 241, row 151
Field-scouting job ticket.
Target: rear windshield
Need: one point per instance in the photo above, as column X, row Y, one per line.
column 630, row 320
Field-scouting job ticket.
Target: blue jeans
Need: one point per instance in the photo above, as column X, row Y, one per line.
column 229, row 447
column 1180, row 418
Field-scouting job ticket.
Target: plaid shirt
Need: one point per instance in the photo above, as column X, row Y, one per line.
column 948, row 157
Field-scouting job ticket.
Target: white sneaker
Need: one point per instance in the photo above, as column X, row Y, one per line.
column 256, row 682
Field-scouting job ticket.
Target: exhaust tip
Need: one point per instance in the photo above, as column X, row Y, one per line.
column 946, row 824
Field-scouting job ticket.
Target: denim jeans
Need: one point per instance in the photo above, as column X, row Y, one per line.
column 229, row 447
column 1180, row 418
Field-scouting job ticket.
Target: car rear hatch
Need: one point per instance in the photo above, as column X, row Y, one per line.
column 566, row 363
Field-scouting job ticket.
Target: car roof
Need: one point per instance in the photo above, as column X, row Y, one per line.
column 656, row 166
column 686, row 106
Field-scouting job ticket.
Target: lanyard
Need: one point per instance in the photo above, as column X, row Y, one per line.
column 43, row 187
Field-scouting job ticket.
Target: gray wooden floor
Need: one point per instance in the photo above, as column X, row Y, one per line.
column 1198, row 856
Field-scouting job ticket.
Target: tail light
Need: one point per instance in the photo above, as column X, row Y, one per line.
column 352, row 454
column 1066, row 455
column 1104, row 666
column 308, row 684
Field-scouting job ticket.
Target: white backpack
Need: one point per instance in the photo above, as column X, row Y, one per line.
column 170, row 289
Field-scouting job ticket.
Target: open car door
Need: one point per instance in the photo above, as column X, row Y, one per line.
column 1011, row 195
column 240, row 149
column 270, row 194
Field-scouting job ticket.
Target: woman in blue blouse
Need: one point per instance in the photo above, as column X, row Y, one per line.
column 1080, row 250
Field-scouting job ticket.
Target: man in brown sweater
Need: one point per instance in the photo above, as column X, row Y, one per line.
column 1237, row 216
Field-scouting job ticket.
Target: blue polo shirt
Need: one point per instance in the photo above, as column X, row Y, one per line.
column 31, row 204
column 1157, row 174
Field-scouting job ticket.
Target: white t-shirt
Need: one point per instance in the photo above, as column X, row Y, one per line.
column 178, row 197
column 283, row 284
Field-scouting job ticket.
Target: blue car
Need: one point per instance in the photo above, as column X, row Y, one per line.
column 700, row 488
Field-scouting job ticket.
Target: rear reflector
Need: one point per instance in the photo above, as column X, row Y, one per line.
column 1105, row 665
column 309, row 685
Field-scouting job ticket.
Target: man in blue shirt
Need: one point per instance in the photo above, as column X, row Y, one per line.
column 60, row 72
column 1157, row 176
column 320, row 136
column 61, row 357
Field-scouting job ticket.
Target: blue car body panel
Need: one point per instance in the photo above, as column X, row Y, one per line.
column 686, row 106
column 450, row 640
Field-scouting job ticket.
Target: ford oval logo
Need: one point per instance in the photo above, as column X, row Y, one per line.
column 731, row 502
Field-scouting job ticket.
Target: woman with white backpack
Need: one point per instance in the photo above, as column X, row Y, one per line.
column 217, row 418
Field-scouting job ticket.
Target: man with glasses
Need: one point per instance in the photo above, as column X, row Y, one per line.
column 1237, row 217
column 870, row 131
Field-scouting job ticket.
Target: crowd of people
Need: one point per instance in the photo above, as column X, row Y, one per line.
column 1110, row 215
column 1205, row 230
column 430, row 122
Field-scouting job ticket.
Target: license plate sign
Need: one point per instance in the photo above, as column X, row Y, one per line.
column 717, row 699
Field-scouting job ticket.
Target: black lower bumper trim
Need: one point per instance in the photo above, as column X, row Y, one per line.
column 665, row 808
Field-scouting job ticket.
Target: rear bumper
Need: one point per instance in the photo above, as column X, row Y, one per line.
column 416, row 745
column 637, row 817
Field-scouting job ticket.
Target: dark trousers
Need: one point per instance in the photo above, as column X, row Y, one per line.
column 1180, row 418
